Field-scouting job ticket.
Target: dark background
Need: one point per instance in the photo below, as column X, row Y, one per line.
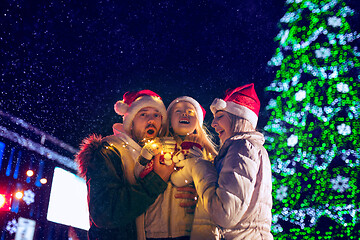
column 65, row 63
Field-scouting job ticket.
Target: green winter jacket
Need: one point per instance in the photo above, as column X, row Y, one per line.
column 114, row 203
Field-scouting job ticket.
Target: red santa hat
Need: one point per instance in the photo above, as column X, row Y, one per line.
column 200, row 111
column 241, row 101
column 133, row 102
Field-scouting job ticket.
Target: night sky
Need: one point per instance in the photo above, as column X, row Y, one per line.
column 65, row 64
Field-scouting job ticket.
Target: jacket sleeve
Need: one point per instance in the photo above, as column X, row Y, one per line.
column 227, row 196
column 113, row 201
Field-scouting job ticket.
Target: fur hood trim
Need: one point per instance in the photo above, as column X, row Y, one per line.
column 85, row 156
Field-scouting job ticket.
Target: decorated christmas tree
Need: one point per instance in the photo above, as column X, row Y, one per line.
column 313, row 131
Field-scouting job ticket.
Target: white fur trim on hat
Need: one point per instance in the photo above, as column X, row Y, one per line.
column 234, row 108
column 199, row 112
column 140, row 103
column 120, row 107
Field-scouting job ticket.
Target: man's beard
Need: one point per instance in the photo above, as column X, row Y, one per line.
column 146, row 135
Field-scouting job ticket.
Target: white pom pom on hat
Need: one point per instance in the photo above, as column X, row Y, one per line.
column 133, row 102
column 120, row 107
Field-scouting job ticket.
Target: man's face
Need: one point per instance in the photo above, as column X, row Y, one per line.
column 146, row 124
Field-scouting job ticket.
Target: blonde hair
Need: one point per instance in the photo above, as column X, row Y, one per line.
column 203, row 134
column 239, row 124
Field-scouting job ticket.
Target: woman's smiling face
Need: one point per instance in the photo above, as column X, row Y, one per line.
column 183, row 118
column 222, row 125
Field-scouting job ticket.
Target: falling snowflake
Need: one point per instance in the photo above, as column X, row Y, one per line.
column 281, row 193
column 342, row 87
column 11, row 226
column 300, row 95
column 344, row 129
column 28, row 197
column 292, row 140
column 340, row 183
column 323, row 53
column 334, row 21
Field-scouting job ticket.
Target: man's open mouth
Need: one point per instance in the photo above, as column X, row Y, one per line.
column 150, row 131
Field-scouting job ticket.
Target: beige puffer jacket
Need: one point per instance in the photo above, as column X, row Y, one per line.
column 237, row 192
column 165, row 218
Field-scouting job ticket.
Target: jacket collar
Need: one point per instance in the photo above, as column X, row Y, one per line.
column 251, row 136
column 254, row 137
